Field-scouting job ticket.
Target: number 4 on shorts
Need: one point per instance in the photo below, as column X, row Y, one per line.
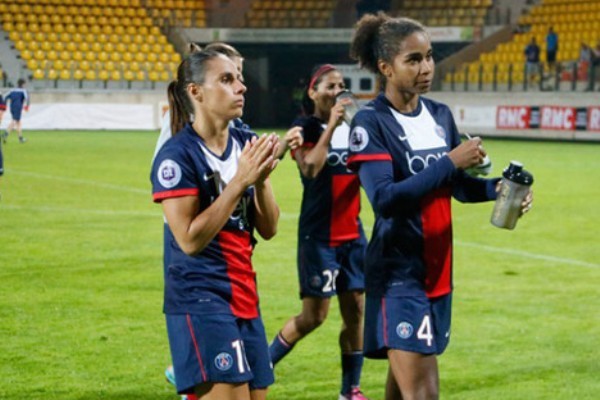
column 424, row 332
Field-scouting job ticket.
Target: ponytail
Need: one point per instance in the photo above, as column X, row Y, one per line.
column 180, row 116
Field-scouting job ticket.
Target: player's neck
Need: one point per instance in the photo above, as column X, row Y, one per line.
column 402, row 101
column 214, row 133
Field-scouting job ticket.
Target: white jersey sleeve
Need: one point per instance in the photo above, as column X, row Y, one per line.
column 165, row 133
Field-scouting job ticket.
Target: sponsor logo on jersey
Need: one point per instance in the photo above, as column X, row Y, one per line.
column 223, row 361
column 417, row 163
column 359, row 139
column 169, row 174
column 336, row 158
column 404, row 330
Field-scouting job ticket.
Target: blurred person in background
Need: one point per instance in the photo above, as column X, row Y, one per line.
column 212, row 180
column 331, row 241
column 532, row 61
column 551, row 49
column 19, row 101
column 410, row 161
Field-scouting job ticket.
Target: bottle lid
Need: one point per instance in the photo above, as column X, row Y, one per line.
column 515, row 172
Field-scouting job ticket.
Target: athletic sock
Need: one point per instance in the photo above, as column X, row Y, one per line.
column 279, row 348
column 351, row 368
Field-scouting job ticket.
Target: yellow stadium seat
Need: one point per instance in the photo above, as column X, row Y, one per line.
column 38, row 74
column 65, row 74
column 127, row 56
column 58, row 65
column 20, row 45
column 84, row 65
column 58, row 46
column 78, row 74
column 52, row 74
column 151, row 57
column 116, row 56
column 33, row 64
column 90, row 75
column 77, row 56
column 103, row 75
column 102, row 56
column 115, row 75
column 65, row 55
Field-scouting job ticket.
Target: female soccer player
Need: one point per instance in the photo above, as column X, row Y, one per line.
column 331, row 241
column 410, row 160
column 213, row 182
column 19, row 101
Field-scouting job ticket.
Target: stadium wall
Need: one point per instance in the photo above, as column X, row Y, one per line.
column 543, row 115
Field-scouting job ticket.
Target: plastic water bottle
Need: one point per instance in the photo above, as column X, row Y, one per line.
column 515, row 186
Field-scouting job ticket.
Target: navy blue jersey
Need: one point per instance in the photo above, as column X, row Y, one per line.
column 331, row 200
column 409, row 179
column 219, row 279
column 2, row 103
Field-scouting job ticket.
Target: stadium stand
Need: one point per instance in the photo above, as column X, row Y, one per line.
column 289, row 14
column 575, row 22
column 447, row 12
column 89, row 39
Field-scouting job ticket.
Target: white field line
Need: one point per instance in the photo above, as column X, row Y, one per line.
column 84, row 182
column 526, row 254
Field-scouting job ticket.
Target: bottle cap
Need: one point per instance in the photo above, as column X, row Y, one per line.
column 515, row 172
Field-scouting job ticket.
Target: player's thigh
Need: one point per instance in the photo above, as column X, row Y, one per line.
column 223, row 391
column 351, row 306
column 258, row 394
column 416, row 374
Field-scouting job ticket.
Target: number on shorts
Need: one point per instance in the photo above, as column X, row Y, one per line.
column 238, row 345
column 424, row 332
column 330, row 278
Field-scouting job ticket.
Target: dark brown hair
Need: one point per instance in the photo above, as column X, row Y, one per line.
column 191, row 70
column 379, row 37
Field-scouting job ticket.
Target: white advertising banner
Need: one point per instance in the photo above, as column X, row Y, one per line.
column 474, row 117
column 87, row 116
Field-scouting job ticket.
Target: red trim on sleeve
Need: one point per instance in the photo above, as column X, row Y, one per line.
column 160, row 196
column 304, row 146
column 359, row 158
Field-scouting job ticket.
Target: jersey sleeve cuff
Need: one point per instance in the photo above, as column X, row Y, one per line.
column 169, row 194
column 356, row 159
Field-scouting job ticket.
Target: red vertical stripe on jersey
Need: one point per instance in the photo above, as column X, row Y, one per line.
column 346, row 206
column 384, row 315
column 437, row 242
column 237, row 250
column 196, row 348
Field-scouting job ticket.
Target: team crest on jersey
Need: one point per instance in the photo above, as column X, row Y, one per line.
column 315, row 281
column 440, row 131
column 223, row 361
column 404, row 330
column 169, row 173
column 359, row 139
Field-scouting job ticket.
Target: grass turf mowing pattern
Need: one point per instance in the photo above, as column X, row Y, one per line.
column 80, row 310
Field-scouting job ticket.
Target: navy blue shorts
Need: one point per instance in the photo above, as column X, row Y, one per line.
column 411, row 323
column 324, row 270
column 218, row 348
column 15, row 112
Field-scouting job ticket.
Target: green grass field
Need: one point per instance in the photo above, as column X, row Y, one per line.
column 81, row 273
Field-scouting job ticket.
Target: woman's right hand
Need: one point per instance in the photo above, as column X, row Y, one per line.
column 337, row 114
column 257, row 159
column 468, row 154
